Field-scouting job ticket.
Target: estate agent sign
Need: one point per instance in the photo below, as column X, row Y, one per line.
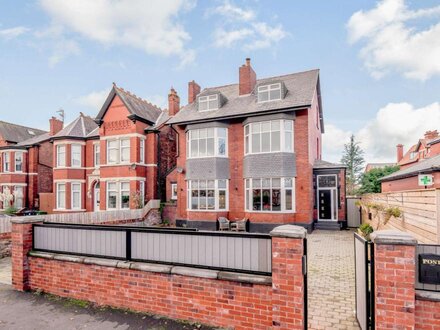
column 426, row 180
column 429, row 268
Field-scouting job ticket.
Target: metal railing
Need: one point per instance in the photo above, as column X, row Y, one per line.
column 238, row 252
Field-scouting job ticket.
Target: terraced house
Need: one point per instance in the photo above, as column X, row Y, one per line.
column 253, row 150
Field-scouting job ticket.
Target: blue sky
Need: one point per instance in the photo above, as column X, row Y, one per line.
column 379, row 61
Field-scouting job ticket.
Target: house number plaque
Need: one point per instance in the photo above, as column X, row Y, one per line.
column 429, row 268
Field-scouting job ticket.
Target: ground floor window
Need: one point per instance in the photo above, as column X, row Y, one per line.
column 61, row 196
column 174, row 191
column 18, row 197
column 125, row 195
column 118, row 194
column 76, row 195
column 270, row 194
column 207, row 195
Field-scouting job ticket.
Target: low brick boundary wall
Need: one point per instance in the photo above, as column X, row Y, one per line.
column 217, row 298
column 427, row 313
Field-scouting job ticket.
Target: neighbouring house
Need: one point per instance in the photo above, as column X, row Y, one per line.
column 253, row 150
column 26, row 163
column 372, row 166
column 421, row 158
column 118, row 160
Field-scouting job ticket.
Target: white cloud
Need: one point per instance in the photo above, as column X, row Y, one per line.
column 12, row 33
column 151, row 26
column 238, row 26
column 94, row 100
column 395, row 39
column 393, row 124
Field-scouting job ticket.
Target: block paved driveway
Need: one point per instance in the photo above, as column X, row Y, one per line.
column 5, row 271
column 331, row 280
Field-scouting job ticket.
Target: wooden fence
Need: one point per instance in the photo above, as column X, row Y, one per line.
column 420, row 213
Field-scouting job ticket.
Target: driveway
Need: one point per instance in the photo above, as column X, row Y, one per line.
column 331, row 280
column 24, row 310
column 5, row 271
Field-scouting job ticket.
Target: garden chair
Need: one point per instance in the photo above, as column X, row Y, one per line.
column 239, row 225
column 223, row 224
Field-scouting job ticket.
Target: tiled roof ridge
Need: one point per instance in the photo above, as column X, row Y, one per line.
column 136, row 97
column 22, row 126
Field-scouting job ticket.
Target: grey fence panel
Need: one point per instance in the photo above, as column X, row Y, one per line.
column 361, row 282
column 229, row 252
column 5, row 225
column 353, row 212
column 421, row 249
column 92, row 242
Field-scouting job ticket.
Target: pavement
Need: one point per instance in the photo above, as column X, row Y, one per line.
column 331, row 280
column 5, row 271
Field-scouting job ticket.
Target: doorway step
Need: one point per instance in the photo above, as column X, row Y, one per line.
column 330, row 225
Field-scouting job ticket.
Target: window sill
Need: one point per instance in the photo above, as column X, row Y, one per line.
column 204, row 157
column 206, row 211
column 271, row 212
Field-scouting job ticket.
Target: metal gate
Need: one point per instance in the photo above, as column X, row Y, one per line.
column 353, row 212
column 364, row 268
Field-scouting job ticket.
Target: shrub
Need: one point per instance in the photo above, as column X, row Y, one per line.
column 392, row 212
column 366, row 230
column 11, row 210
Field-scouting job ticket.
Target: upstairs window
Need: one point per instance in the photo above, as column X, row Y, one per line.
column 18, row 162
column 118, row 151
column 269, row 136
column 207, row 142
column 142, row 151
column 61, row 155
column 76, row 155
column 269, row 92
column 125, row 150
column 97, row 154
column 6, row 162
column 207, row 103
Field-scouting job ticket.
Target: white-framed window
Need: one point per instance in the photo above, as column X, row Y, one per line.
column 207, row 142
column 18, row 161
column 270, row 92
column 268, row 136
column 112, row 195
column 76, row 155
column 76, row 195
column 270, row 195
column 125, row 150
column 61, row 155
column 61, row 195
column 208, row 195
column 142, row 151
column 97, row 154
column 18, row 197
column 6, row 162
column 174, row 191
column 125, row 195
column 207, row 103
column 142, row 192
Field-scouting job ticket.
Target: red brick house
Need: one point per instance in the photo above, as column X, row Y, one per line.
column 253, row 150
column 26, row 162
column 116, row 161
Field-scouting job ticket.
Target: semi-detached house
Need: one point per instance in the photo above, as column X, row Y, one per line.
column 253, row 150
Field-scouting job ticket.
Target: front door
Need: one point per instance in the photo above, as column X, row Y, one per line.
column 325, row 204
column 327, row 197
column 96, row 197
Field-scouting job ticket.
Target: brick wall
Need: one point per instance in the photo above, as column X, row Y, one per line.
column 427, row 314
column 207, row 296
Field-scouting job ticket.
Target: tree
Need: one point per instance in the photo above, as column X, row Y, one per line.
column 370, row 181
column 353, row 158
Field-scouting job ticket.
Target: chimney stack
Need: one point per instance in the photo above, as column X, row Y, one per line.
column 193, row 91
column 173, row 102
column 399, row 152
column 55, row 125
column 429, row 135
column 247, row 78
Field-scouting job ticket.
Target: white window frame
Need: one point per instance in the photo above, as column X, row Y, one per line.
column 174, row 191
column 267, row 89
column 122, row 148
column 73, row 192
column 116, row 148
column 61, row 161
column 142, row 192
column 121, row 191
column 107, row 192
column 21, row 162
column 142, row 151
column 58, row 204
column 248, row 200
column 190, row 188
column 216, row 137
column 96, row 154
column 6, row 162
column 119, row 148
column 16, row 197
column 75, row 156
column 208, row 99
column 249, row 136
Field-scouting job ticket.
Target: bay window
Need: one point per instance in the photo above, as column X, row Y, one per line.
column 61, row 155
column 125, row 195
column 142, row 192
column 211, row 195
column 125, row 150
column 6, row 162
column 76, row 155
column 118, row 194
column 142, row 151
column 118, row 151
column 207, row 142
column 76, row 196
column 270, row 195
column 61, row 195
column 269, row 136
column 18, row 162
column 112, row 195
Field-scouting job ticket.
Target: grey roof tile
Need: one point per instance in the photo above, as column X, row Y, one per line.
column 34, row 140
column 322, row 164
column 427, row 165
column 300, row 87
column 81, row 127
column 17, row 133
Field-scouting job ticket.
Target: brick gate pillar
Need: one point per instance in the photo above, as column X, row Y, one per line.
column 287, row 277
column 394, row 283
column 21, row 245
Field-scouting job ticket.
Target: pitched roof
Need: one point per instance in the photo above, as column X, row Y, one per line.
column 300, row 87
column 423, row 166
column 17, row 133
column 81, row 127
column 34, row 140
column 137, row 107
column 322, row 164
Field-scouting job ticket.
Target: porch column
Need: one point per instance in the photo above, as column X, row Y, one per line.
column 287, row 277
column 21, row 245
column 394, row 282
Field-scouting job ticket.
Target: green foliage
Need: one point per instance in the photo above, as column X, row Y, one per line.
column 370, row 181
column 366, row 229
column 41, row 213
column 353, row 158
column 392, row 212
column 11, row 210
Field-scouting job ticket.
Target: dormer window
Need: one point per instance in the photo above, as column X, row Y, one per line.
column 207, row 103
column 268, row 93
